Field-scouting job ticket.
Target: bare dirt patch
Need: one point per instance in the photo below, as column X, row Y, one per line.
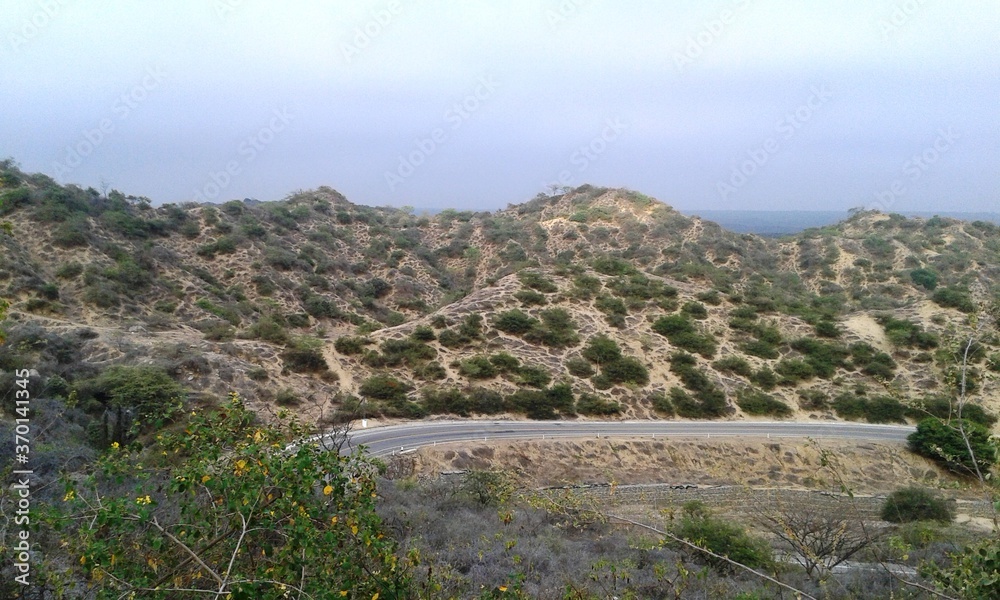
column 824, row 465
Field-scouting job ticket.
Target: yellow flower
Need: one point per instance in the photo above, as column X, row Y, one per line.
column 328, row 490
column 69, row 496
column 114, row 445
column 205, row 478
column 143, row 500
column 334, row 520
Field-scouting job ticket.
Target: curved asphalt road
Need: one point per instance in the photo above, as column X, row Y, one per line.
column 395, row 439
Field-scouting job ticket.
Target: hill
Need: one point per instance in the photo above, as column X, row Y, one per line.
column 592, row 302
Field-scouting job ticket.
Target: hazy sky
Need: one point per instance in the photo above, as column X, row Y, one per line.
column 735, row 104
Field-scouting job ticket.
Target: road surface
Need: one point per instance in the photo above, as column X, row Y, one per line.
column 396, row 439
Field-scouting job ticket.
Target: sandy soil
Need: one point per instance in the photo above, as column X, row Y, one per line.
column 824, row 465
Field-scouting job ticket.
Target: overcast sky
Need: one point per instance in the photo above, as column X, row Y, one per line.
column 735, row 104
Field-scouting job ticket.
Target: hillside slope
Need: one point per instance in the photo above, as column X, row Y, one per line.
column 592, row 302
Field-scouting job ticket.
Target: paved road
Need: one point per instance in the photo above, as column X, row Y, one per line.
column 395, row 439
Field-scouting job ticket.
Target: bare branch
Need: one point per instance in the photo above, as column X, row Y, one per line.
column 189, row 552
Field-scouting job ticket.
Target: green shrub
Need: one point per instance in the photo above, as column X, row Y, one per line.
column 925, row 278
column 824, row 358
column 286, row 397
column 534, row 376
column 906, row 333
column 682, row 333
column 304, row 360
column 764, row 378
column 263, row 285
column 228, row 313
column 537, row 281
column 661, row 403
column 916, row 504
column 406, row 351
column 695, row 310
column 69, row 270
column 827, row 329
column 585, row 286
column 793, row 370
column 102, row 294
column 257, row 374
column 269, row 330
column 348, row 345
column 760, row 349
column 610, row 305
column 723, row 538
column 450, row 401
column 515, row 322
column 625, row 370
column 881, row 409
column 733, row 364
column 471, row 327
column 706, row 404
column 952, row 297
column 165, row 306
column 477, row 367
column 944, row 442
column 384, row 387
column 601, row 349
column 486, row 402
column 530, row 298
column 423, row 333
column 556, row 330
column 504, row 362
column 591, row 404
column 432, row 371
column 543, row 404
column 755, row 402
column 609, row 265
column 579, row 367
column 813, row 400
column 449, row 338
column 944, row 408
column 710, row 297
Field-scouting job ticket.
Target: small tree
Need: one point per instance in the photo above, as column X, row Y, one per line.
column 950, row 443
column 489, row 488
column 820, row 538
